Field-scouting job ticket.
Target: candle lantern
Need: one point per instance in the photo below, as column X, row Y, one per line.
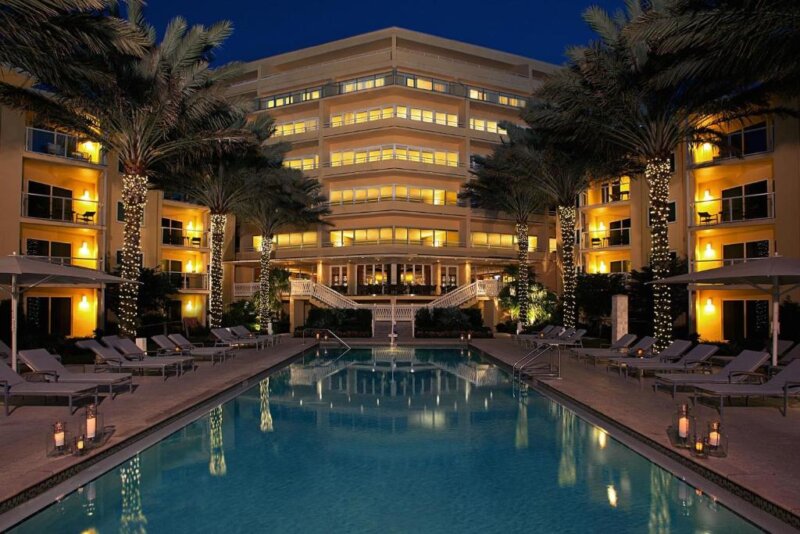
column 469, row 336
column 57, row 443
column 79, row 446
column 717, row 440
column 462, row 337
column 699, row 448
column 93, row 426
column 682, row 429
column 640, row 353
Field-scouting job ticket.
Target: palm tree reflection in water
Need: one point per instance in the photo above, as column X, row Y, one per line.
column 266, row 416
column 133, row 520
column 567, row 471
column 660, row 486
column 216, row 464
column 521, row 437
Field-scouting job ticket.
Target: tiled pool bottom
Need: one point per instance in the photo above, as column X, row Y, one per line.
column 410, row 440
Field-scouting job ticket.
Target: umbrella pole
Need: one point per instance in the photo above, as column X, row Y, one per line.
column 14, row 299
column 776, row 323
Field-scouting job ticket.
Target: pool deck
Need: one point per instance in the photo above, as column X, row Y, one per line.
column 25, row 432
column 763, row 445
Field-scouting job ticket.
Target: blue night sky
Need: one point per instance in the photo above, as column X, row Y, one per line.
column 540, row 29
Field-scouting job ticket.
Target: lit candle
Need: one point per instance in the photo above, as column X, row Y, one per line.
column 91, row 421
column 80, row 444
column 698, row 444
column 59, row 434
column 683, row 427
column 714, row 435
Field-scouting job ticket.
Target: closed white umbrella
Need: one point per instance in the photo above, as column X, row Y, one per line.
column 22, row 273
column 767, row 275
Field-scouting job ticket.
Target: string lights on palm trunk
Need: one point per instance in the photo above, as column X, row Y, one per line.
column 215, row 308
column 658, row 173
column 567, row 217
column 522, row 275
column 134, row 197
column 264, row 311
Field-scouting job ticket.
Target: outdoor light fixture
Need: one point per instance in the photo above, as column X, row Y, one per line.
column 189, row 306
column 709, row 307
column 640, row 352
column 709, row 253
column 717, row 441
column 707, row 195
column 682, row 428
column 189, row 266
column 462, row 337
column 86, row 194
column 83, row 305
column 469, row 336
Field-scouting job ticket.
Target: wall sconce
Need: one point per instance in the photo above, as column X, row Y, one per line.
column 86, row 195
column 189, row 266
column 190, row 226
column 709, row 253
column 84, row 250
column 709, row 308
column 707, row 195
column 189, row 306
column 83, row 305
column 603, row 268
column 602, row 227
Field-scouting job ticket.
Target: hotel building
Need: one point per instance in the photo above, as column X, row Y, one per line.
column 388, row 122
column 727, row 206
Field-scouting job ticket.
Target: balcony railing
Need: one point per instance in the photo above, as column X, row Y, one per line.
column 607, row 238
column 704, row 265
column 396, row 289
column 56, row 208
column 749, row 141
column 64, row 146
column 716, row 211
column 89, row 263
column 245, row 289
column 361, row 155
column 188, row 280
column 179, row 237
column 410, row 242
column 394, row 192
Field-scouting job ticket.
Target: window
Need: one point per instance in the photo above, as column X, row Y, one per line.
column 749, row 201
column 449, row 276
column 303, row 163
column 749, row 140
column 737, row 252
column 497, row 240
column 172, row 232
column 504, row 99
column 486, row 125
column 672, row 213
column 422, row 82
column 745, row 319
column 296, row 127
column 616, row 190
column 394, row 235
column 620, row 266
column 61, row 252
column 45, row 201
column 52, row 315
column 338, row 275
column 619, row 233
column 287, row 99
column 120, row 212
column 394, row 152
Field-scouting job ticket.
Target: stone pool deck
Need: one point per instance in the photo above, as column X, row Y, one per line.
column 764, row 446
column 25, row 432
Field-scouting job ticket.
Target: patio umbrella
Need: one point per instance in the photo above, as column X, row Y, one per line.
column 768, row 275
column 22, row 273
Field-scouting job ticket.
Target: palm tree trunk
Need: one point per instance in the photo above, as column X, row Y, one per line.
column 264, row 311
column 522, row 274
column 218, row 221
column 566, row 217
column 134, row 197
column 657, row 171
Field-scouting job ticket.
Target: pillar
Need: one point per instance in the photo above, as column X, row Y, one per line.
column 619, row 316
column 352, row 282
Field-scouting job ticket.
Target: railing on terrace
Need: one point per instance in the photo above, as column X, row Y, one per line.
column 394, row 192
column 408, row 242
column 245, row 289
column 184, row 238
column 58, row 208
column 188, row 280
column 64, row 146
column 396, row 289
column 704, row 265
column 748, row 141
column 89, row 263
column 277, row 248
column 716, row 211
column 607, row 238
column 394, row 111
column 393, row 152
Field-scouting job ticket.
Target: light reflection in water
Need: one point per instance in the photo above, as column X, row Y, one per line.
column 567, row 473
column 660, row 486
column 132, row 519
column 521, row 436
column 216, row 463
column 266, row 416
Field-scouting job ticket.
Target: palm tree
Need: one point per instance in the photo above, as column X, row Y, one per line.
column 731, row 44
column 158, row 106
column 277, row 200
column 601, row 99
column 502, row 184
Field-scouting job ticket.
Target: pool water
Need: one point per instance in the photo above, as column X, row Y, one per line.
column 380, row 440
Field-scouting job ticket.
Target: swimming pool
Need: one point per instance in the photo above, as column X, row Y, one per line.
column 387, row 440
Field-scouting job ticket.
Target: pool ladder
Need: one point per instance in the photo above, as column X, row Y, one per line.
column 532, row 364
column 337, row 338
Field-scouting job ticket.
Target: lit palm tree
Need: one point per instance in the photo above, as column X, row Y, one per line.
column 502, row 183
column 601, row 98
column 279, row 199
column 158, row 106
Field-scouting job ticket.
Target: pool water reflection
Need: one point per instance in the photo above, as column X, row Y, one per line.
column 403, row 440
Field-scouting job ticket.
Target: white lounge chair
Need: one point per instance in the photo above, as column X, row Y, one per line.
column 116, row 361
column 695, row 359
column 621, row 344
column 169, row 346
column 736, row 370
column 131, row 351
column 226, row 339
column 15, row 386
column 242, row 332
column 646, row 344
column 674, row 350
column 785, row 384
column 42, row 361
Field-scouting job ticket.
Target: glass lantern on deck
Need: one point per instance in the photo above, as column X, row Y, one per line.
column 682, row 430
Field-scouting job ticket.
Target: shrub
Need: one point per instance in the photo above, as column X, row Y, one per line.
column 341, row 321
column 449, row 323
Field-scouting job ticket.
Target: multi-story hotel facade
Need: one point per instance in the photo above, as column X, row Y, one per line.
column 388, row 123
column 726, row 206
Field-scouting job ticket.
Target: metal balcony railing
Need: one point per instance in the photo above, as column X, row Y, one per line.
column 57, row 208
column 620, row 237
column 64, row 146
column 716, row 211
column 188, row 280
column 89, row 263
column 705, row 264
column 184, row 238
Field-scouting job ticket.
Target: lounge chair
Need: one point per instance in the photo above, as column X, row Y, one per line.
column 674, row 350
column 519, row 338
column 695, row 359
column 169, row 346
column 226, row 339
column 42, row 361
column 645, row 344
column 621, row 344
column 15, row 386
column 741, row 366
column 242, row 332
column 131, row 351
column 790, row 356
column 116, row 361
column 785, row 384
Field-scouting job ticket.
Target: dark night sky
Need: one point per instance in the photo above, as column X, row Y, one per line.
column 539, row 29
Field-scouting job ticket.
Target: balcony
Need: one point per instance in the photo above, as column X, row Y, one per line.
column 63, row 145
column 749, row 141
column 597, row 239
column 61, row 208
column 395, row 289
column 188, row 281
column 178, row 237
column 394, row 192
column 245, row 289
column 89, row 263
column 704, row 265
column 733, row 209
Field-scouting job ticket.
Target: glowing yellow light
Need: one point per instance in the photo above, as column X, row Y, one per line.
column 612, row 495
column 83, row 305
column 602, row 437
column 602, row 227
column 189, row 306
column 84, row 250
column 709, row 253
column 709, row 308
column 189, row 266
column 86, row 195
column 190, row 226
column 603, row 268
column 707, row 194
